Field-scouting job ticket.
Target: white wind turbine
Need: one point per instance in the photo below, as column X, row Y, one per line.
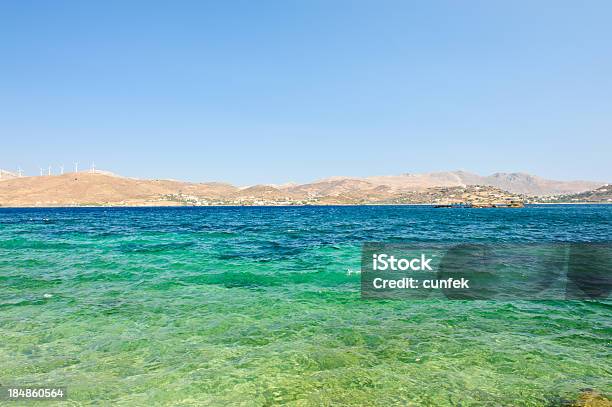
column 76, row 166
column 49, row 172
column 93, row 167
column 20, row 172
column 41, row 171
column 61, row 169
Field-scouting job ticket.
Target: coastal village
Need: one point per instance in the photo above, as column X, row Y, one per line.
column 473, row 196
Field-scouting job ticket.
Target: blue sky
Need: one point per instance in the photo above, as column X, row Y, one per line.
column 261, row 91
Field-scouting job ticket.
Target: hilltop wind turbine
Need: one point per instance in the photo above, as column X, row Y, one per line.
column 49, row 173
column 61, row 169
column 41, row 171
column 20, row 172
column 76, row 166
column 93, row 167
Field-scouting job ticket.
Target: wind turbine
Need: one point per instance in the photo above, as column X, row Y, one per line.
column 41, row 171
column 20, row 172
column 49, row 173
column 93, row 167
column 61, row 169
column 76, row 166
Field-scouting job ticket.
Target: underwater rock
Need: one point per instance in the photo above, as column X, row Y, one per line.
column 592, row 398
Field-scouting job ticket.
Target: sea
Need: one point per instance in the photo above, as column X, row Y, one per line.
column 261, row 306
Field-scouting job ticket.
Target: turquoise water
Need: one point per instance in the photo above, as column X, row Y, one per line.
column 259, row 306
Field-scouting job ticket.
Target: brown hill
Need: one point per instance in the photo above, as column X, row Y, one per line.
column 602, row 194
column 518, row 183
column 215, row 190
column 97, row 189
column 527, row 184
column 333, row 187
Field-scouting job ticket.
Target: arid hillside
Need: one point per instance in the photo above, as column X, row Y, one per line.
column 106, row 189
column 517, row 183
column 600, row 195
column 100, row 189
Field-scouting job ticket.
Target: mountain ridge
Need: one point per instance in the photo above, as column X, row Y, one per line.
column 515, row 182
column 105, row 188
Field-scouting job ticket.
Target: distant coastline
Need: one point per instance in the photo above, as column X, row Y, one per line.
column 97, row 188
column 528, row 205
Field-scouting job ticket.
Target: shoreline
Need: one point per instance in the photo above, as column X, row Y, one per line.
column 286, row 206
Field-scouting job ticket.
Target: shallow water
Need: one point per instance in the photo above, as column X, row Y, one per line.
column 256, row 306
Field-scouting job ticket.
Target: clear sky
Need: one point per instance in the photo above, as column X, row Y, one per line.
column 294, row 90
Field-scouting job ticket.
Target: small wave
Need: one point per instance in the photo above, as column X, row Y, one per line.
column 153, row 248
